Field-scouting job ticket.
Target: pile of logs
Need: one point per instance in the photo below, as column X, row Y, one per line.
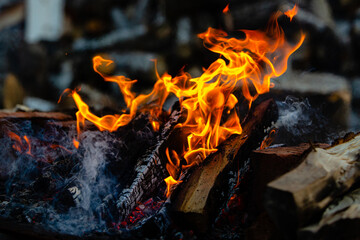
column 309, row 191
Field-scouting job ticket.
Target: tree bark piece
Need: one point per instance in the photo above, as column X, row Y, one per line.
column 269, row 164
column 298, row 197
column 198, row 200
column 340, row 220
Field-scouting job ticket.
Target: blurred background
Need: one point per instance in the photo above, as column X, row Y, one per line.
column 47, row 46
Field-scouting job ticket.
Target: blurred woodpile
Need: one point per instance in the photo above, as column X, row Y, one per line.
column 45, row 49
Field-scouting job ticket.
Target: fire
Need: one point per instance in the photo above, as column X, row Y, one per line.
column 268, row 139
column 226, row 9
column 292, row 12
column 76, row 143
column 170, row 181
column 19, row 144
column 208, row 101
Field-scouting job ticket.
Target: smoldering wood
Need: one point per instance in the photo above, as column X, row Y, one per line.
column 269, row 164
column 149, row 173
column 198, row 200
column 299, row 196
column 340, row 220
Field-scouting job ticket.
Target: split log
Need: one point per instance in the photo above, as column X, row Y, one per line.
column 298, row 197
column 198, row 200
column 341, row 220
column 269, row 164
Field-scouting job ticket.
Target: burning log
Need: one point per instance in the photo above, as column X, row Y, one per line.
column 340, row 219
column 149, row 173
column 198, row 200
column 297, row 197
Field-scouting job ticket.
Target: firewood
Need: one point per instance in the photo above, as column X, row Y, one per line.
column 340, row 220
column 149, row 173
column 35, row 115
column 198, row 200
column 298, row 197
column 269, row 164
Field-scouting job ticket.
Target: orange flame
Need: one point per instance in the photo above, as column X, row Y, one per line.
column 76, row 143
column 226, row 9
column 209, row 103
column 170, row 181
column 292, row 12
column 268, row 139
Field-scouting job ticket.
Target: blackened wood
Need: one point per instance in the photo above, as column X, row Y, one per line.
column 150, row 173
column 341, row 220
column 298, row 197
column 198, row 200
column 269, row 164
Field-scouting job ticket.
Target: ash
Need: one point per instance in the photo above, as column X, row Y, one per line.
column 52, row 184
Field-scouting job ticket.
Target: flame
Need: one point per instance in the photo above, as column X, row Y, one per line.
column 170, row 181
column 292, row 12
column 268, row 139
column 208, row 101
column 226, row 9
column 76, row 143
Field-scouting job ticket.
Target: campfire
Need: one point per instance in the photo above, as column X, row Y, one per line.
column 198, row 156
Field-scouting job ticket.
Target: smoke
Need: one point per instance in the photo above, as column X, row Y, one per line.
column 299, row 122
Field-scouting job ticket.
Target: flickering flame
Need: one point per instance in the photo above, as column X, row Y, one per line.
column 76, row 143
column 208, row 101
column 226, row 9
column 292, row 12
column 170, row 181
column 268, row 139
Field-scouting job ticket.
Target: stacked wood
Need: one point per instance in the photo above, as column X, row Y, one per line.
column 297, row 198
column 341, row 220
column 269, row 164
column 199, row 199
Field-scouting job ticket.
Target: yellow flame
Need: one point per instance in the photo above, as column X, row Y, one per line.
column 208, row 101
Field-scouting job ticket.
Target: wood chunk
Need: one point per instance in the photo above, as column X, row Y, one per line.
column 32, row 115
column 298, row 197
column 269, row 164
column 149, row 173
column 341, row 220
column 197, row 201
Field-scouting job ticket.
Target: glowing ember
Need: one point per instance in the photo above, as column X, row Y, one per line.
column 292, row 12
column 19, row 145
column 208, row 101
column 226, row 9
column 76, row 143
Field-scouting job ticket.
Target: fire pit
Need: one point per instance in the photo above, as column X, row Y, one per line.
column 214, row 154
